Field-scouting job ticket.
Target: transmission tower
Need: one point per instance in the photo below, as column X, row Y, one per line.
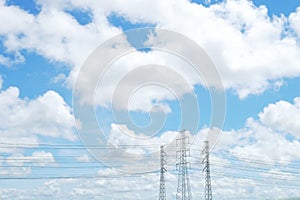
column 206, row 169
column 183, row 186
column 163, row 170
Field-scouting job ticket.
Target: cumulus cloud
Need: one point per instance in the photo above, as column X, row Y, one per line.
column 138, row 81
column 144, row 86
column 9, row 17
column 250, row 49
column 255, row 142
column 250, row 41
column 267, row 138
column 294, row 19
column 268, row 145
column 23, row 120
column 282, row 116
column 53, row 33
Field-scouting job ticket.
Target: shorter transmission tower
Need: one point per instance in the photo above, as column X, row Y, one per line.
column 163, row 170
column 206, row 169
column 183, row 187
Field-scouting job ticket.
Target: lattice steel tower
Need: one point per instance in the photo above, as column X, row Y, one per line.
column 206, row 169
column 163, row 170
column 183, row 186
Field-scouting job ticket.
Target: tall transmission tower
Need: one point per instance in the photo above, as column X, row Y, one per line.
column 163, row 170
column 206, row 169
column 183, row 186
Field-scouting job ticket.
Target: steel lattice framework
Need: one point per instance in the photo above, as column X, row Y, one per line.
column 206, row 169
column 163, row 170
column 183, row 186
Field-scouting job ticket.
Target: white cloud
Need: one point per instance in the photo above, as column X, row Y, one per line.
column 42, row 158
column 18, row 165
column 250, row 42
column 53, row 33
column 17, row 171
column 278, row 85
column 226, row 182
column 4, row 60
column 23, row 120
column 278, row 174
column 38, row 158
column 267, row 145
column 266, row 138
column 15, row 19
column 282, row 116
column 60, row 78
column 241, row 39
column 126, row 85
column 294, row 19
column 51, row 188
column 120, row 135
column 84, row 158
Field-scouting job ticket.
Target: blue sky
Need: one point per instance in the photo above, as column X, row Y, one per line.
column 274, row 7
column 43, row 46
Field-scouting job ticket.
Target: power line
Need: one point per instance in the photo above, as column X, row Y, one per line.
column 236, row 163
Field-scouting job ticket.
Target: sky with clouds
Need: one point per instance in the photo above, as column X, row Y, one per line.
column 51, row 85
